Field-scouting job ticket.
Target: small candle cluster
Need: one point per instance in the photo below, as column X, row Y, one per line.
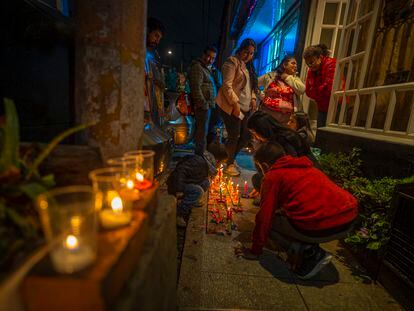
column 224, row 198
column 115, row 190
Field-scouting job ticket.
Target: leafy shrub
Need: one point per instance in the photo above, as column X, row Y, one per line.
column 374, row 198
column 341, row 167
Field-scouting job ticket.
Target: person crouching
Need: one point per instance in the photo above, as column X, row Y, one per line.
column 300, row 207
column 189, row 182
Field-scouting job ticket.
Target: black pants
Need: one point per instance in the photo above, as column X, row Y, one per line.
column 237, row 134
column 321, row 121
column 286, row 235
column 206, row 121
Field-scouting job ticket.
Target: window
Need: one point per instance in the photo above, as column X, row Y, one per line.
column 281, row 42
column 375, row 75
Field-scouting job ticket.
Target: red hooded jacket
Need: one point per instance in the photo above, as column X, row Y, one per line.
column 319, row 83
column 309, row 199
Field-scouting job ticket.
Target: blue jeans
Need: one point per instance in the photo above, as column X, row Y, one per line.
column 192, row 196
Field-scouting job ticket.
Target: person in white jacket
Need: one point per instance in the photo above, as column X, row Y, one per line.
column 286, row 71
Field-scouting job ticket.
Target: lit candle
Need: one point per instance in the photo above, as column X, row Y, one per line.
column 71, row 256
column 71, row 242
column 129, row 193
column 220, row 172
column 245, row 189
column 141, row 183
column 116, row 216
column 221, row 194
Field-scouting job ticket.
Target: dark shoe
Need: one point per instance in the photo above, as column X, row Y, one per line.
column 314, row 260
column 181, row 222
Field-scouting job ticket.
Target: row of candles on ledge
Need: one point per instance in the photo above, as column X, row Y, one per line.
column 70, row 215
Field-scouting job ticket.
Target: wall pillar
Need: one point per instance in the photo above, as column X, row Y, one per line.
column 109, row 72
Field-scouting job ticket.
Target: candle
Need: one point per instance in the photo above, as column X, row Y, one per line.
column 71, row 242
column 245, row 189
column 71, row 255
column 129, row 193
column 220, row 172
column 229, row 220
column 141, row 183
column 115, row 216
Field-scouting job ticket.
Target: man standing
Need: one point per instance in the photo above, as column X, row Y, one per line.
column 203, row 94
column 154, row 76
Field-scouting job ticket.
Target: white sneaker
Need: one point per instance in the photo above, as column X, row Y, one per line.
column 232, row 170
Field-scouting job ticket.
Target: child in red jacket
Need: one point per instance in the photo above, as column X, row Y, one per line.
column 300, row 206
column 320, row 78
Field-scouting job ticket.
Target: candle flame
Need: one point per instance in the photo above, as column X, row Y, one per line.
column 116, row 204
column 71, row 242
column 139, row 177
column 130, row 184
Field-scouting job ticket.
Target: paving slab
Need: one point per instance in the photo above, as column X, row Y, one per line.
column 344, row 296
column 228, row 291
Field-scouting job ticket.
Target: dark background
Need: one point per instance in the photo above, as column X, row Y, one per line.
column 190, row 26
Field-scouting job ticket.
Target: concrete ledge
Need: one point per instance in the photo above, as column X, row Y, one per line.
column 120, row 252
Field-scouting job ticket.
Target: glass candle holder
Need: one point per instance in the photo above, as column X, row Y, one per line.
column 68, row 218
column 144, row 167
column 114, row 194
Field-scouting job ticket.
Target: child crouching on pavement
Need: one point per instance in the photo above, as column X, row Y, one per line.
column 300, row 207
column 189, row 181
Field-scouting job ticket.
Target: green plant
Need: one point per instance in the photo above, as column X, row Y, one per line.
column 341, row 167
column 20, row 184
column 374, row 198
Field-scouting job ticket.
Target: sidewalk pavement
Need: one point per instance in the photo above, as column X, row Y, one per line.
column 213, row 278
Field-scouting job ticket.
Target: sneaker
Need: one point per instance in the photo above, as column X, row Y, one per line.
column 313, row 263
column 181, row 222
column 232, row 170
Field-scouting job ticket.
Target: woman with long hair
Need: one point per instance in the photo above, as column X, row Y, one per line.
column 265, row 128
column 236, row 100
column 320, row 78
column 282, row 90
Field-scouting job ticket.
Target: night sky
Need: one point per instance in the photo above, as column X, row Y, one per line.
column 196, row 23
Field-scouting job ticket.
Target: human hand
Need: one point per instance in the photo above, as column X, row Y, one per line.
column 253, row 105
column 246, row 253
column 253, row 194
column 236, row 111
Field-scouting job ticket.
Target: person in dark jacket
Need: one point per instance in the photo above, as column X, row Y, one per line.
column 189, row 181
column 320, row 78
column 301, row 205
column 203, row 94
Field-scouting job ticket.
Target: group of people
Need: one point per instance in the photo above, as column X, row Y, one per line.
column 236, row 97
column 300, row 207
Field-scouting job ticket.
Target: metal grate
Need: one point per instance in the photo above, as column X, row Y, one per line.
column 400, row 250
